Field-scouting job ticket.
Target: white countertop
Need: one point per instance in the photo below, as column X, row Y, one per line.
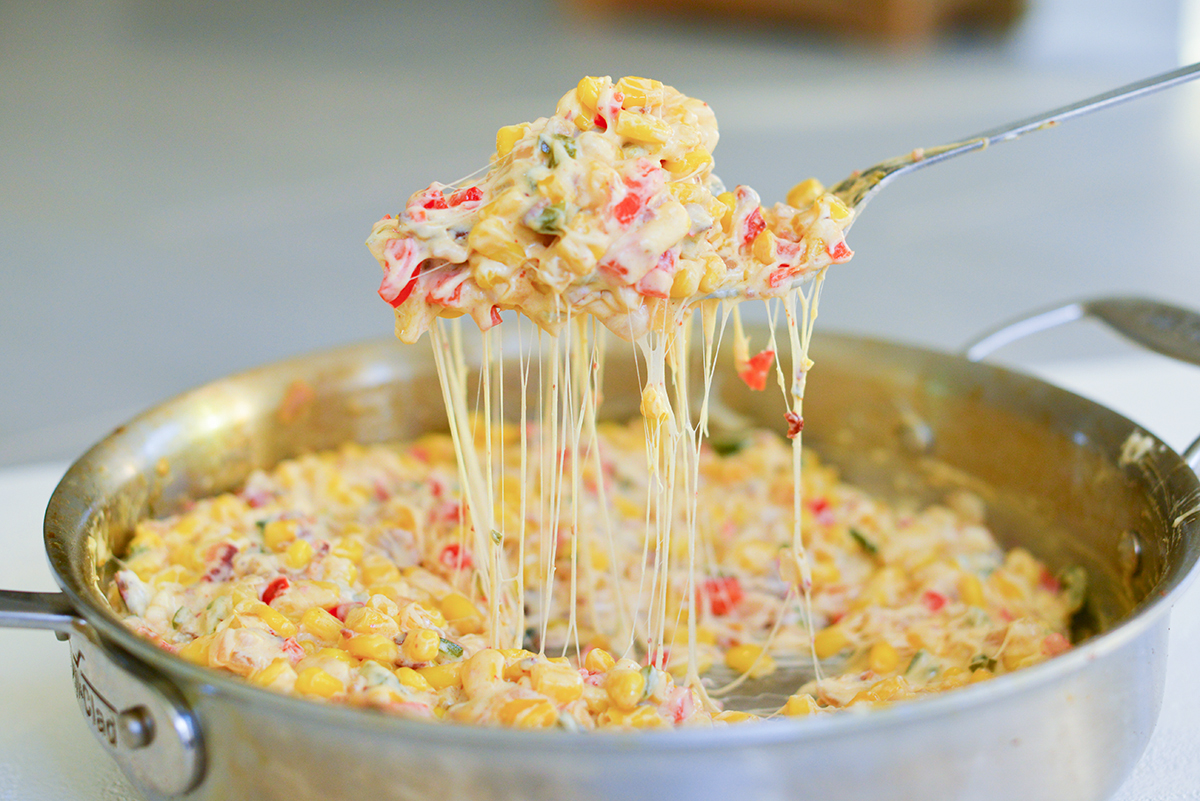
column 47, row 753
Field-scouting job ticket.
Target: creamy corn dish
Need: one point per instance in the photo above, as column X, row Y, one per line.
column 608, row 208
column 536, row 567
column 348, row 577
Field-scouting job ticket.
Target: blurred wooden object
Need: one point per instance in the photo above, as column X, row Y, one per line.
column 904, row 24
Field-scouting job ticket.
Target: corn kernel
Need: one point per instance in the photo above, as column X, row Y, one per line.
column 278, row 533
column 800, row 705
column 734, row 716
column 829, row 641
column 493, row 236
column 625, row 687
column 689, row 163
column 507, row 138
column 882, row 658
column 365, row 620
column 640, row 91
column 764, row 247
column 421, row 645
column 373, row 646
column 277, row 622
column 268, row 675
column 528, row 713
column 314, row 681
column 562, row 684
column 598, row 660
column 802, row 195
column 687, row 278
column 349, row 548
column 838, row 210
column 298, row 555
column 587, row 92
column 642, row 128
column 884, row 690
column 339, row 654
column 459, row 611
column 412, row 679
column 982, row 674
column 442, row 676
column 197, row 650
column 751, row 659
column 970, row 589
column 321, row 624
column 643, row 717
column 482, row 673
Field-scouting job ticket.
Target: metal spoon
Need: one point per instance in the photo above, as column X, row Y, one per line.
column 863, row 185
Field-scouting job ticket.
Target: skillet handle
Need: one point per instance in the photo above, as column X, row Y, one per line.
column 140, row 719
column 1160, row 327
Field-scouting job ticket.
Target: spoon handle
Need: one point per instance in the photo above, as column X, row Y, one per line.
column 859, row 188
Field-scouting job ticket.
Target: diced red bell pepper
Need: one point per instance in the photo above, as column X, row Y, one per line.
column 273, row 588
column 755, row 372
column 456, row 557
column 472, row 194
column 723, row 594
column 755, row 225
column 434, row 199
column 933, row 600
column 795, row 424
column 1055, row 644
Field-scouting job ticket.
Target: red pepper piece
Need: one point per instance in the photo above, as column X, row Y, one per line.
column 755, row 372
column 273, row 588
column 456, row 557
column 434, row 199
column 723, row 594
column 600, row 122
column 755, row 225
column 795, row 424
column 840, row 252
column 627, row 209
column 933, row 600
column 469, row 195
column 1055, row 644
column 404, row 293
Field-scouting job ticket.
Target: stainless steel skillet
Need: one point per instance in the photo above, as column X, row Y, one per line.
column 1074, row 482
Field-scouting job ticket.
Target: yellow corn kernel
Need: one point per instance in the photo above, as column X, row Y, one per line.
column 982, row 674
column 750, row 658
column 970, row 589
column 383, row 604
column 412, row 679
column 309, row 647
column 838, row 210
column 197, row 650
column 321, row 624
column 598, row 661
column 754, row 556
column 715, row 273
column 587, row 92
column 642, row 128
column 528, row 713
column 434, row 614
column 493, row 236
column 277, row 621
column 278, row 533
column 640, row 91
column 687, row 192
column 730, row 201
column 689, row 163
column 882, row 658
column 800, row 705
column 1007, row 586
column 339, row 654
column 734, row 716
column 421, row 645
column 583, row 122
column 459, row 611
column 802, row 195
column 349, row 548
column 829, row 641
column 954, row 677
column 643, row 717
column 625, row 687
column 884, row 690
column 175, row 574
column 442, row 676
column 314, row 681
column 267, row 676
column 764, row 247
column 373, row 646
column 507, row 138
column 298, row 555
column 365, row 620
column 482, row 673
column 687, row 278
column 824, row 573
column 562, row 684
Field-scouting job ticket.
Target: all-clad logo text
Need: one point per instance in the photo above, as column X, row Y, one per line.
column 100, row 713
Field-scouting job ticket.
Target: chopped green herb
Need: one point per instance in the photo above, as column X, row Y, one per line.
column 557, row 147
column 863, row 541
column 923, row 667
column 450, row 648
column 982, row 661
column 550, row 220
column 727, row 444
column 497, row 537
column 262, row 525
column 1074, row 581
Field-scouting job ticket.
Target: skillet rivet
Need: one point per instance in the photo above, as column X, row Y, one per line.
column 135, row 727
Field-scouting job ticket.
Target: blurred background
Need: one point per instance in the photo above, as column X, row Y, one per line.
column 185, row 187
